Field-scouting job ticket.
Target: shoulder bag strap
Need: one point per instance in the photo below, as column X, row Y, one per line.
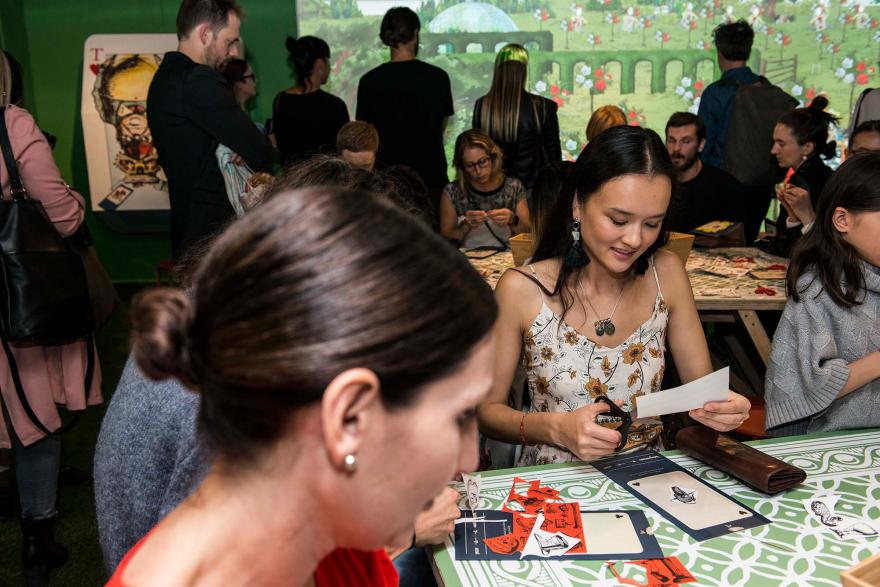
column 15, row 185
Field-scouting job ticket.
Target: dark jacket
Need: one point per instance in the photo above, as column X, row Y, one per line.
column 190, row 110
column 536, row 144
column 812, row 176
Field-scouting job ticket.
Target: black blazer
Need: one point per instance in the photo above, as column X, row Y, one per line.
column 812, row 176
column 536, row 144
column 190, row 110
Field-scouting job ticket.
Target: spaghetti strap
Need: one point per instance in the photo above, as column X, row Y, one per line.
column 656, row 277
column 534, row 277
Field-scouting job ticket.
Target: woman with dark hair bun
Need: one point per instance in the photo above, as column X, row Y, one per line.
column 325, row 364
column 800, row 140
column 592, row 314
column 824, row 371
column 305, row 118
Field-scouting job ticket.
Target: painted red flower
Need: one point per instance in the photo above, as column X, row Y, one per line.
column 600, row 86
column 786, row 40
column 860, row 66
column 598, row 72
column 608, row 76
column 693, row 25
column 559, row 101
column 811, row 93
column 647, row 24
column 632, row 114
column 862, row 79
column 554, row 89
column 770, row 30
column 616, row 19
column 698, row 85
column 874, row 23
column 636, row 12
column 566, row 93
column 665, row 37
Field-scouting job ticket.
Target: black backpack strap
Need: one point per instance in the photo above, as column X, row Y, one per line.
column 15, row 185
column 22, row 398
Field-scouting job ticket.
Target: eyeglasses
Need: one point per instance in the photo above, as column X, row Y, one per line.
column 480, row 163
column 249, row 76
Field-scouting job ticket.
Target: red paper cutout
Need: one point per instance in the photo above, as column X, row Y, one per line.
column 664, row 572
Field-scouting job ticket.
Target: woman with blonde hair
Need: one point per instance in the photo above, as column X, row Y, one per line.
column 483, row 207
column 524, row 125
column 604, row 118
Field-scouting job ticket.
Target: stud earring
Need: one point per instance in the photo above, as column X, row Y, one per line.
column 349, row 464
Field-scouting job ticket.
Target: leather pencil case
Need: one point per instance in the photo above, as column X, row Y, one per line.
column 751, row 466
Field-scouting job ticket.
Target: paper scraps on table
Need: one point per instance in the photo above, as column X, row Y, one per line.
column 546, row 544
column 665, row 572
column 533, row 500
column 823, row 509
column 713, row 387
column 618, row 534
column 472, row 485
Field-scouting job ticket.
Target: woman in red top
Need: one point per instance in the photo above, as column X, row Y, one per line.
column 341, row 349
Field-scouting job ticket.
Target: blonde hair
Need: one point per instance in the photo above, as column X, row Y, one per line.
column 499, row 114
column 475, row 138
column 604, row 118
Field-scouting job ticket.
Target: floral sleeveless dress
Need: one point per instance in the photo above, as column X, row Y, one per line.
column 565, row 371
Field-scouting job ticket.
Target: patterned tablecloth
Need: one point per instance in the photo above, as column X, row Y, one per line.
column 740, row 287
column 792, row 550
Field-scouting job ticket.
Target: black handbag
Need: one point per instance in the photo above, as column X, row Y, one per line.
column 44, row 296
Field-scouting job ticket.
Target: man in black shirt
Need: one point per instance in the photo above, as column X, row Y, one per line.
column 190, row 110
column 408, row 101
column 704, row 192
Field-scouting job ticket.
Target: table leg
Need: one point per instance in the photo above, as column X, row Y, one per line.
column 755, row 329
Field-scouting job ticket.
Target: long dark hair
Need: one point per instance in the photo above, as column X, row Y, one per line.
column 823, row 250
column 309, row 284
column 548, row 187
column 810, row 125
column 302, row 55
column 619, row 151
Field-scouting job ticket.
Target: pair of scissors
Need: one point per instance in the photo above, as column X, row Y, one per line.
column 614, row 415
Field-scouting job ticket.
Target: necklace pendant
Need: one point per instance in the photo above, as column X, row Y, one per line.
column 600, row 328
column 609, row 327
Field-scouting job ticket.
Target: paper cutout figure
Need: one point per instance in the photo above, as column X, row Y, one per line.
column 822, row 508
column 683, row 495
column 666, row 572
column 544, row 544
column 472, row 486
column 533, row 501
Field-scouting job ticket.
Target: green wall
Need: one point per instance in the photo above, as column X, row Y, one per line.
column 47, row 37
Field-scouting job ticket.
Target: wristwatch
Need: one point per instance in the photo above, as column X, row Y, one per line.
column 514, row 221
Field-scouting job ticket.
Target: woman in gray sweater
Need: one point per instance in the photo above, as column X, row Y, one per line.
column 824, row 371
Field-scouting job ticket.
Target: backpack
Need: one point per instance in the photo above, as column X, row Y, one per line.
column 756, row 109
column 867, row 108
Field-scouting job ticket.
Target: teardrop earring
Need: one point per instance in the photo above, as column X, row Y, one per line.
column 576, row 255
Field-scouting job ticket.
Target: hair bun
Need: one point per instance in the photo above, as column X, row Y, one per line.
column 160, row 319
column 819, row 103
column 290, row 43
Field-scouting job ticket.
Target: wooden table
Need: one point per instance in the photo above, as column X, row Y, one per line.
column 792, row 550
column 720, row 299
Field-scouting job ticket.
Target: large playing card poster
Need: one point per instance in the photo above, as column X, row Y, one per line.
column 124, row 171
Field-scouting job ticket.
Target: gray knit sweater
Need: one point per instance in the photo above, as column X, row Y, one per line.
column 814, row 343
column 147, row 461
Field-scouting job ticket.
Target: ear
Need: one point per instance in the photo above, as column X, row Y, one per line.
column 842, row 220
column 205, row 34
column 575, row 208
column 809, row 148
column 701, row 146
column 348, row 406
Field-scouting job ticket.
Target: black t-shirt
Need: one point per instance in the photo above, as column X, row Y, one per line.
column 713, row 194
column 307, row 124
column 407, row 101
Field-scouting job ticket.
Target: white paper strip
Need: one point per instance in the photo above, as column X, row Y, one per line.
column 714, row 387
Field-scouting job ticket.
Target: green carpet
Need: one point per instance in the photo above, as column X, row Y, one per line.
column 76, row 527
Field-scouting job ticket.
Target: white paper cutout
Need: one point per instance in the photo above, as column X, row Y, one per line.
column 713, row 387
column 822, row 509
column 547, row 544
column 472, row 487
column 683, row 495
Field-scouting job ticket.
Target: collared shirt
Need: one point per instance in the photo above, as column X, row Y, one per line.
column 716, row 105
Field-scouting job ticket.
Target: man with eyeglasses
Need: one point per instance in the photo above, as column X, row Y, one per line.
column 191, row 110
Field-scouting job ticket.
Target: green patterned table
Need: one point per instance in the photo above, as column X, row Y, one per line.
column 791, row 551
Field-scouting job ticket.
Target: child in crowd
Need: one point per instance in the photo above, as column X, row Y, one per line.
column 825, row 364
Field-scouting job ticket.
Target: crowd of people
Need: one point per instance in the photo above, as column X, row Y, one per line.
column 328, row 361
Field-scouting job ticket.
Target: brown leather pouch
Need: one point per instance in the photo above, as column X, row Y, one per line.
column 749, row 465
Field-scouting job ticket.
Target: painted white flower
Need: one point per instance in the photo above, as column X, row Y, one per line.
column 697, row 101
column 797, row 90
column 686, row 82
column 847, row 62
column 693, row 109
column 540, row 87
column 571, row 145
column 840, row 72
column 586, row 70
column 679, row 90
column 849, row 78
column 689, row 95
column 588, row 84
column 579, row 79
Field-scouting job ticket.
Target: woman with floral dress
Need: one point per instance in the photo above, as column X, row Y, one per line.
column 593, row 313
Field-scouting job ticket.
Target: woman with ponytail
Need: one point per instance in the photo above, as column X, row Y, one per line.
column 800, row 141
column 305, row 118
column 592, row 314
column 524, row 125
